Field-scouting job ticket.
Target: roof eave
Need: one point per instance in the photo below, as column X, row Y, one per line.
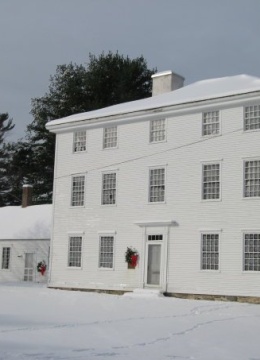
column 151, row 113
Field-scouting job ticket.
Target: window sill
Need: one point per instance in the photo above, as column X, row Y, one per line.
column 105, row 269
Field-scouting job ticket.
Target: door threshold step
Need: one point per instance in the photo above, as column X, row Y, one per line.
column 147, row 293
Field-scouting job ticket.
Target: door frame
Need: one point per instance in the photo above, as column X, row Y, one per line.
column 161, row 227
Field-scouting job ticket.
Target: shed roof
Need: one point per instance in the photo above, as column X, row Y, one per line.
column 201, row 90
column 32, row 222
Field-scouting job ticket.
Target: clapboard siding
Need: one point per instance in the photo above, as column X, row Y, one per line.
column 182, row 155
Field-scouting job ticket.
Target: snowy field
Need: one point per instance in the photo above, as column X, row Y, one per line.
column 40, row 323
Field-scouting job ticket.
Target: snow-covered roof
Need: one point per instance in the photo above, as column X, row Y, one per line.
column 32, row 222
column 201, row 90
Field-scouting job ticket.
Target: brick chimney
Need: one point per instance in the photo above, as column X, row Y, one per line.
column 166, row 81
column 27, row 196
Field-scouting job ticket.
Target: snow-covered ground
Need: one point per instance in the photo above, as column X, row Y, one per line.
column 41, row 323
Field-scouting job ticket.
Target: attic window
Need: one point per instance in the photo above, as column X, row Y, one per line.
column 210, row 123
column 79, row 141
column 252, row 117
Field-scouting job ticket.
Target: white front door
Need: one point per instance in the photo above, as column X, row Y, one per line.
column 28, row 267
column 153, row 263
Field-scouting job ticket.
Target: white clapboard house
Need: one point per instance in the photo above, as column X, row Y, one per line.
column 175, row 177
column 25, row 240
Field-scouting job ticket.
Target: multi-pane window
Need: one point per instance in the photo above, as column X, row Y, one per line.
column 157, row 130
column 157, row 185
column 252, row 178
column 78, row 190
column 6, row 257
column 155, row 237
column 210, row 124
column 252, row 117
column 106, row 252
column 252, row 252
column 109, row 189
column 110, row 137
column 210, row 252
column 79, row 141
column 75, row 248
column 211, row 181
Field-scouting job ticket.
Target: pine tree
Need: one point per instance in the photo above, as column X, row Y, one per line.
column 6, row 125
column 107, row 80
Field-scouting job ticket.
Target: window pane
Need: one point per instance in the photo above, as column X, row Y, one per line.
column 252, row 252
column 6, row 257
column 211, row 181
column 252, row 117
column 109, row 189
column 75, row 244
column 79, row 141
column 106, row 252
column 210, row 252
column 157, row 130
column 78, row 189
column 157, row 185
column 252, row 178
column 210, row 123
column 110, row 137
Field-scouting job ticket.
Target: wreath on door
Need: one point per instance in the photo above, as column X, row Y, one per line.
column 41, row 267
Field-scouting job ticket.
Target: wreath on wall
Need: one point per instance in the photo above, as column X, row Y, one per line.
column 41, row 267
column 131, row 257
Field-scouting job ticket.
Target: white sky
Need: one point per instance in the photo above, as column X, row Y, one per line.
column 197, row 39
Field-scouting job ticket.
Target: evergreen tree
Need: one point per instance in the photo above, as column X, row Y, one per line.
column 106, row 80
column 6, row 125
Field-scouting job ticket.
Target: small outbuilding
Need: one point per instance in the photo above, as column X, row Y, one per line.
column 25, row 240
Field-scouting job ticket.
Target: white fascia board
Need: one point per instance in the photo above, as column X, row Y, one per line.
column 164, row 112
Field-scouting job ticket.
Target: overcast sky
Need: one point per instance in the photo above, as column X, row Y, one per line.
column 198, row 39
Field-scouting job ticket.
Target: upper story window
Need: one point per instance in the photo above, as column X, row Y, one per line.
column 211, row 181
column 106, row 252
column 210, row 123
column 6, row 257
column 157, row 185
column 75, row 248
column 252, row 178
column 79, row 143
column 78, row 190
column 252, row 117
column 109, row 189
column 210, row 252
column 157, row 130
column 252, row 252
column 110, row 137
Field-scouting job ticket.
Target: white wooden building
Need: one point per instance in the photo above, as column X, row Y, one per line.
column 176, row 176
column 24, row 241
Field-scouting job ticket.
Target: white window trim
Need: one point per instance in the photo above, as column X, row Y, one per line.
column 112, row 171
column 70, row 235
column 117, row 137
column 208, row 232
column 71, row 190
column 248, row 231
column 165, row 182
column 73, row 142
column 101, row 234
column 243, row 180
column 165, row 128
column 211, row 162
column 220, row 123
column 244, row 118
